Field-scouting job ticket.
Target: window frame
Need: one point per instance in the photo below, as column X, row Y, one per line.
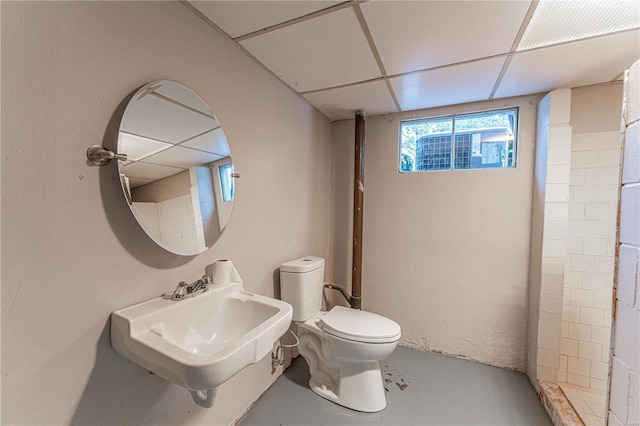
column 452, row 135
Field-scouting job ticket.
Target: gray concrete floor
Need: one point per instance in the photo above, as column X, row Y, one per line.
column 424, row 388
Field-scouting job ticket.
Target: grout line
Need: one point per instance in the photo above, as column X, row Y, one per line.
column 523, row 28
column 376, row 54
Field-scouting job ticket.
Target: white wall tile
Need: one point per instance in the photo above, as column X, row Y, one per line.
column 601, row 335
column 580, row 297
column 548, row 358
column 560, row 135
column 551, row 303
column 571, row 313
column 605, row 194
column 569, row 347
column 599, row 370
column 584, row 159
column 553, row 265
column 627, row 274
column 575, row 245
column 578, row 379
column 573, row 279
column 584, row 194
column 549, row 321
column 596, row 247
column 600, row 282
column 581, row 263
column 605, row 228
column 609, row 157
column 561, row 155
column 629, row 213
column 555, row 229
column 602, row 299
column 563, row 362
column 553, row 247
column 619, row 393
column 549, row 340
column 626, row 335
column 601, row 211
column 579, row 142
column 598, row 140
column 576, row 210
column 556, row 211
column 557, row 192
column 603, row 264
column 591, row 316
column 546, row 374
column 577, row 177
column 598, row 385
column 580, row 332
column 597, row 176
column 558, row 173
column 551, row 284
column 579, row 366
column 631, row 169
column 590, row 351
column 634, row 399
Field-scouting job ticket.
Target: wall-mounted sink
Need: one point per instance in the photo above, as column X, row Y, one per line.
column 203, row 341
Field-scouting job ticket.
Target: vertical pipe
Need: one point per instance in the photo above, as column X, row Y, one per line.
column 358, row 205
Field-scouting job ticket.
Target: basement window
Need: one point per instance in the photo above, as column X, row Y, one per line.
column 479, row 140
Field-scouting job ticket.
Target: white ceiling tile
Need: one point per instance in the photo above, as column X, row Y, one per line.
column 326, row 51
column 446, row 86
column 148, row 171
column 136, row 147
column 182, row 157
column 182, row 95
column 560, row 21
column 418, row 35
column 214, row 142
column 340, row 104
column 238, row 18
column 156, row 118
column 569, row 65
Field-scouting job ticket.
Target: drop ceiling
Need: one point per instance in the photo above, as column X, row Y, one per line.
column 391, row 56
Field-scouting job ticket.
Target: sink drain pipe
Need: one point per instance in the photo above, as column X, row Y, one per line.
column 358, row 210
column 204, row 398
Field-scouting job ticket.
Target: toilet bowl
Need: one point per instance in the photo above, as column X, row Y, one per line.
column 342, row 346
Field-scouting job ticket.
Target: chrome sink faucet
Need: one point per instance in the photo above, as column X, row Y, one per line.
column 184, row 290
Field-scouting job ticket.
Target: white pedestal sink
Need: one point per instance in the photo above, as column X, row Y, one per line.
column 201, row 342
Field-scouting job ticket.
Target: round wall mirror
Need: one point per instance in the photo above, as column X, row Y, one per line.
column 178, row 177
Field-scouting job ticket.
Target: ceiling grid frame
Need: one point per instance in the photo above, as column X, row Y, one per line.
column 623, row 58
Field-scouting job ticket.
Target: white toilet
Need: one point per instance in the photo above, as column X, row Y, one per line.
column 341, row 346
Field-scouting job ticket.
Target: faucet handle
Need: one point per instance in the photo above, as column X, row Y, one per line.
column 181, row 291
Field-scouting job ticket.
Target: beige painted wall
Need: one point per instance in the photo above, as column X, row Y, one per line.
column 450, row 248
column 72, row 252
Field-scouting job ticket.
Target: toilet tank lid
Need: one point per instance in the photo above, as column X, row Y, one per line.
column 304, row 264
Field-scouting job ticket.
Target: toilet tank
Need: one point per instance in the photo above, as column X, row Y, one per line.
column 301, row 284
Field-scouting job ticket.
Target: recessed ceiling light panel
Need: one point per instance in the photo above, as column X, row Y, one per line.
column 556, row 21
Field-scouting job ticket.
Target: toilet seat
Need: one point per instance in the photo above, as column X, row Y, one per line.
column 359, row 326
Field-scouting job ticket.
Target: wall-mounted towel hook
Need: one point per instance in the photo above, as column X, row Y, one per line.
column 100, row 156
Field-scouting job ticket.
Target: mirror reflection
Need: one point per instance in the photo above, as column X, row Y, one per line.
column 178, row 178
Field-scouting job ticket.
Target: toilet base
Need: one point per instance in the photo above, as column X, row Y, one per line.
column 359, row 387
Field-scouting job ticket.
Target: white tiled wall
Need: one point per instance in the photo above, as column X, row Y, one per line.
column 625, row 372
column 556, row 208
column 590, row 257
